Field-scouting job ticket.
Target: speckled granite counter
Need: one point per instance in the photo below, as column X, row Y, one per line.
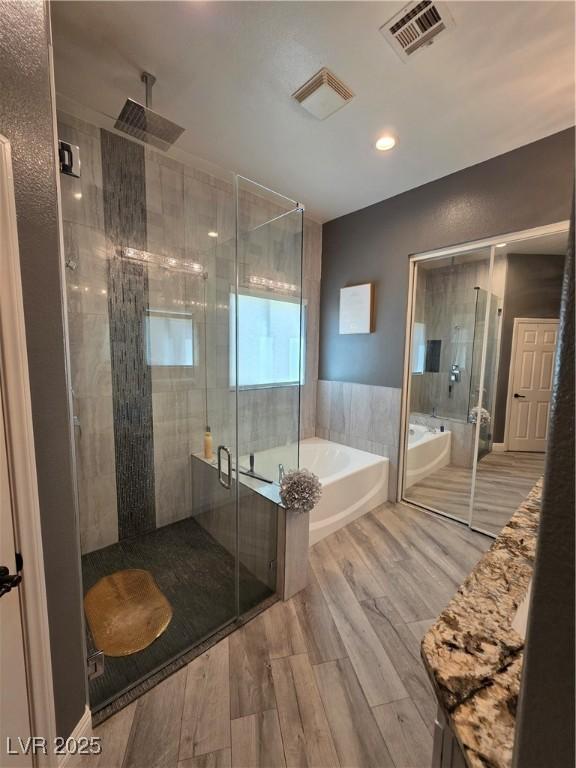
column 473, row 655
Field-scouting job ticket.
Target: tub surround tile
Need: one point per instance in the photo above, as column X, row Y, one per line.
column 472, row 653
column 340, row 406
column 362, row 423
column 324, row 392
column 361, row 416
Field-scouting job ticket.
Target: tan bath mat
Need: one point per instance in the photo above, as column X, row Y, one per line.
column 126, row 612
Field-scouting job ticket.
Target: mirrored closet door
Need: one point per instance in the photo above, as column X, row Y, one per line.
column 481, row 351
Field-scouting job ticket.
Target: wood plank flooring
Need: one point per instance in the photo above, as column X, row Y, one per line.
column 331, row 678
column 503, row 480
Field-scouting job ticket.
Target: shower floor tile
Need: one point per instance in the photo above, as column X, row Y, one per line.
column 195, row 573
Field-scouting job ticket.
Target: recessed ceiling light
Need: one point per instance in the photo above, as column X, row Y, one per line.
column 78, row 195
column 212, row 234
column 385, row 143
column 501, row 245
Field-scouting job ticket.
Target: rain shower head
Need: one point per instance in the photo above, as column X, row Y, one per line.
column 143, row 123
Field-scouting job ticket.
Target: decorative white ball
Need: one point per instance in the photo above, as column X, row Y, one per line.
column 300, row 490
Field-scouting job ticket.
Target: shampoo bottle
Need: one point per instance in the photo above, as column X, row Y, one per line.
column 208, row 444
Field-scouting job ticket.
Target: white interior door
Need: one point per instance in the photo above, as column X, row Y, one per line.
column 532, row 372
column 14, row 714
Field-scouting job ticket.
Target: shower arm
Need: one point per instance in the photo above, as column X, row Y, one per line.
column 148, row 81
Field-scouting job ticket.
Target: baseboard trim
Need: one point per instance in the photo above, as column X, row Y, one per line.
column 499, row 447
column 83, row 729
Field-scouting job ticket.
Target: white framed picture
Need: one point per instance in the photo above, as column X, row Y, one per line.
column 356, row 309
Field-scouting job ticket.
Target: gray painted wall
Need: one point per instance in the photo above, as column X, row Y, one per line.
column 528, row 187
column 26, row 120
column 533, row 287
column 545, row 727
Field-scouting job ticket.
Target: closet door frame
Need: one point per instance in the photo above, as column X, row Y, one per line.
column 413, row 260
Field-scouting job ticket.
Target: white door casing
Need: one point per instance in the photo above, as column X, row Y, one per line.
column 14, row 716
column 531, row 376
column 20, row 464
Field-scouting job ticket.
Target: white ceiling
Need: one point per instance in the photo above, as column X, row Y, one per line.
column 501, row 78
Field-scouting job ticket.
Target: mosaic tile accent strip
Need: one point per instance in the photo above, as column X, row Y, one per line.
column 124, row 184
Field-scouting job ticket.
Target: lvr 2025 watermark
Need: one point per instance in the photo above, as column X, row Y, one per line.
column 38, row 745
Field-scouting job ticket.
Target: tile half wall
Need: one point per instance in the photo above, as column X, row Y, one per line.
column 361, row 416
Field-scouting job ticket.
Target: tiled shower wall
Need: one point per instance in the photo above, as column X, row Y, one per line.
column 181, row 205
column 446, row 303
column 85, row 250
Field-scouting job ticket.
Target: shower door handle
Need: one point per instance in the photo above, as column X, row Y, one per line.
column 226, row 483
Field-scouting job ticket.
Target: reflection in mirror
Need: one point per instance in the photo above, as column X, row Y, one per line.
column 522, row 321
column 483, row 343
column 447, row 337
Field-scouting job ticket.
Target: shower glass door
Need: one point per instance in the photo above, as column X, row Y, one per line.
column 267, row 368
column 492, row 503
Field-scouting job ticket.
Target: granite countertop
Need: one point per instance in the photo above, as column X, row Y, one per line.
column 472, row 653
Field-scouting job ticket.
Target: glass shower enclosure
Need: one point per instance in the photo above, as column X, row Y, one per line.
column 185, row 325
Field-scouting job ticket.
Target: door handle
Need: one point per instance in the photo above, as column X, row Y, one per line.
column 8, row 580
column 517, row 395
column 226, row 483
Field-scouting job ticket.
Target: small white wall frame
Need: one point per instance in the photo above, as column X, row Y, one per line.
column 356, row 309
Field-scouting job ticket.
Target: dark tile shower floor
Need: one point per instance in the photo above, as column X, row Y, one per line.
column 195, row 573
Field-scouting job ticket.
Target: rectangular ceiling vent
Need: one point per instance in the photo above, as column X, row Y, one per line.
column 416, row 26
column 323, row 94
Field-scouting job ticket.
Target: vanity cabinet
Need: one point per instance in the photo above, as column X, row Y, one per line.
column 447, row 752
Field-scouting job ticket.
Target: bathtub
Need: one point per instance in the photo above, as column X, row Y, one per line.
column 353, row 481
column 427, row 453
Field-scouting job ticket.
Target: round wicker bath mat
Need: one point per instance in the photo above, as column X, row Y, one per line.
column 126, row 612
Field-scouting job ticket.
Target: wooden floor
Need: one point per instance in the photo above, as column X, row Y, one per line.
column 503, row 481
column 332, row 677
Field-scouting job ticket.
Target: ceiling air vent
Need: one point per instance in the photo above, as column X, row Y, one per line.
column 323, row 94
column 415, row 26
